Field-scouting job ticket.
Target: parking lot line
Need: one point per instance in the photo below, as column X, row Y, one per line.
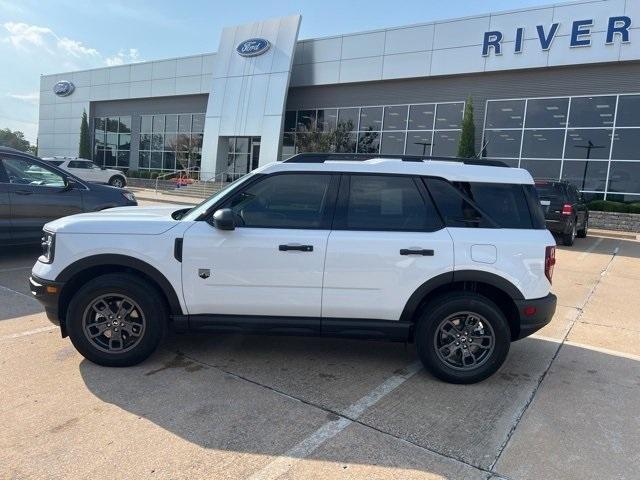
column 7, row 289
column 589, row 250
column 29, row 332
column 15, row 269
column 330, row 429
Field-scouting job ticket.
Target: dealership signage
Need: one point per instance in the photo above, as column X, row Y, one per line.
column 617, row 28
column 253, row 47
column 63, row 88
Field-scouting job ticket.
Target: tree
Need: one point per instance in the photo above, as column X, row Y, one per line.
column 467, row 145
column 14, row 140
column 313, row 139
column 84, row 149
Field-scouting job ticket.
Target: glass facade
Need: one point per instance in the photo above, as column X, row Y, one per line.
column 112, row 141
column 591, row 141
column 170, row 142
column 418, row 129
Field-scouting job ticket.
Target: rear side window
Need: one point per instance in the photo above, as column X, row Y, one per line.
column 550, row 191
column 79, row 164
column 384, row 202
column 483, row 205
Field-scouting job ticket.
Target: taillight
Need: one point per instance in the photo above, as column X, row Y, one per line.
column 567, row 209
column 549, row 262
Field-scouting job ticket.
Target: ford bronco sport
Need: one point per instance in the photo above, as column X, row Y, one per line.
column 450, row 254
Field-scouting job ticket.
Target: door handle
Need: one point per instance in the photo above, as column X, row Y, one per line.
column 416, row 251
column 23, row 192
column 299, row 248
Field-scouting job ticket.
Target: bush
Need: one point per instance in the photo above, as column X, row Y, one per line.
column 618, row 207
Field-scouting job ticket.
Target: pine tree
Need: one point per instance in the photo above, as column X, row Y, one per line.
column 467, row 147
column 84, row 149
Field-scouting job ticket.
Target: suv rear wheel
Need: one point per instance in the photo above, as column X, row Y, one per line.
column 583, row 232
column 569, row 238
column 116, row 320
column 117, row 181
column 463, row 337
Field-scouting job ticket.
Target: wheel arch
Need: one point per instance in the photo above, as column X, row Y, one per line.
column 87, row 268
column 498, row 289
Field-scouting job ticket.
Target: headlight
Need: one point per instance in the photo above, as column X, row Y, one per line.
column 48, row 247
column 129, row 196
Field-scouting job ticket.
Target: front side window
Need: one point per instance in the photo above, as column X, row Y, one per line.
column 24, row 172
column 283, row 201
column 379, row 203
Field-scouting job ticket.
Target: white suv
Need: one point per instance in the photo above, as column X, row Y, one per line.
column 89, row 171
column 451, row 255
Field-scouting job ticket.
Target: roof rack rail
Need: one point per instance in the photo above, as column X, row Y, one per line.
column 361, row 157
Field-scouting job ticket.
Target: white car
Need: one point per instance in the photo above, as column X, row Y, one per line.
column 451, row 255
column 89, row 171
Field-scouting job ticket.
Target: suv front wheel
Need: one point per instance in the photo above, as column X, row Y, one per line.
column 463, row 337
column 116, row 320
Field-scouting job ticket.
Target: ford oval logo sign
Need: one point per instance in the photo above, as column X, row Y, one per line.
column 253, row 47
column 63, row 88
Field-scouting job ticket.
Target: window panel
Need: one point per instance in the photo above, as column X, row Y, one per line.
column 158, row 123
column 445, row 144
column 449, row 115
column 143, row 159
column 626, row 144
column 288, row 140
column 169, row 161
column 395, row 118
column 346, row 142
column 419, row 143
column 628, row 111
column 327, row 119
column 368, row 142
column 156, row 160
column 124, row 141
column 624, row 198
column 624, row 177
column 157, row 141
column 283, row 201
column 377, row 202
column 146, row 123
column 371, row 119
column 171, row 142
column 547, row 113
column 586, row 175
column 184, row 123
column 290, row 121
column 171, row 123
column 588, row 144
column 348, row 118
column 196, row 142
column 112, row 124
column 110, row 157
column 421, row 117
column 123, row 158
column 502, row 143
column 198, row 123
column 542, row 143
column 592, row 111
column 112, row 140
column 505, row 114
column 392, row 143
column 125, row 125
column 145, row 141
column 542, row 169
column 307, row 120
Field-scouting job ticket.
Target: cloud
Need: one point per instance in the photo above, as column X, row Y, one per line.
column 31, row 97
column 122, row 57
column 71, row 53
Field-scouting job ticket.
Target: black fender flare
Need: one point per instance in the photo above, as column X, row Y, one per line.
column 438, row 281
column 124, row 261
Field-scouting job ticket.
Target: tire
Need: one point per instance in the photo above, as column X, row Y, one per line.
column 140, row 333
column 464, row 305
column 118, row 181
column 585, row 229
column 569, row 238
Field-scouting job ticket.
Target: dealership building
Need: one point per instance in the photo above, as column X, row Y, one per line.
column 555, row 90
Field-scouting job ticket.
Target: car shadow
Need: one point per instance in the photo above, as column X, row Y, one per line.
column 258, row 395
column 15, row 267
column 604, row 245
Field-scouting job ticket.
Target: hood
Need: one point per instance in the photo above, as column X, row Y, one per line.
column 151, row 220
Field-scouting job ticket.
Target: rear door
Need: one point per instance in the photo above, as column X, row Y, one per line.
column 387, row 240
column 37, row 195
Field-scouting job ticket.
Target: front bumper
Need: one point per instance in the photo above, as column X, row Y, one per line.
column 530, row 322
column 47, row 292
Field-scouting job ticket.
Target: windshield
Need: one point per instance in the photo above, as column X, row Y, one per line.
column 201, row 208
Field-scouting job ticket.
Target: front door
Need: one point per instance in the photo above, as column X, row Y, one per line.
column 37, row 195
column 387, row 240
column 272, row 264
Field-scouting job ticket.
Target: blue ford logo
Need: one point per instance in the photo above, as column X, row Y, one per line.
column 63, row 88
column 253, row 47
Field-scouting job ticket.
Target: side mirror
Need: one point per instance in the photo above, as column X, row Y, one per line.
column 70, row 184
column 223, row 219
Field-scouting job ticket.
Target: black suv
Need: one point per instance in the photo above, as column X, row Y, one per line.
column 565, row 210
column 34, row 192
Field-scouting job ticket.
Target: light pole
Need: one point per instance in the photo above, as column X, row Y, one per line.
column 588, row 147
column 424, row 147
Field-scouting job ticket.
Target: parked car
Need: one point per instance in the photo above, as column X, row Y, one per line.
column 453, row 256
column 89, row 171
column 34, row 192
column 565, row 210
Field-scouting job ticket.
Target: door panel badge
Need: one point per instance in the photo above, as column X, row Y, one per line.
column 204, row 273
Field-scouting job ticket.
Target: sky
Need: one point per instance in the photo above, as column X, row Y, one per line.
column 50, row 36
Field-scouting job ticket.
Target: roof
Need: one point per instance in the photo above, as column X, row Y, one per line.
column 452, row 169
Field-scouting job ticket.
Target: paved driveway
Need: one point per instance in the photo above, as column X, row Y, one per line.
column 565, row 404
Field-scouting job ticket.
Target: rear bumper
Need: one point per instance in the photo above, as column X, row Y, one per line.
column 558, row 226
column 47, row 292
column 532, row 321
